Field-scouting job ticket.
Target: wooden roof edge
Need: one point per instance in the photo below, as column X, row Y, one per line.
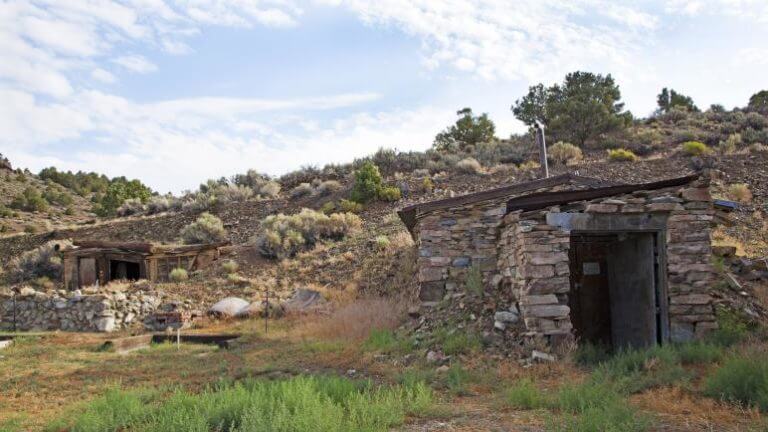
column 545, row 199
column 410, row 214
column 145, row 248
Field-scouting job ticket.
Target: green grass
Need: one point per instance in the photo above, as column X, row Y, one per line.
column 297, row 404
column 387, row 341
column 633, row 371
column 526, row 396
column 457, row 378
column 595, row 407
column 742, row 379
column 458, row 341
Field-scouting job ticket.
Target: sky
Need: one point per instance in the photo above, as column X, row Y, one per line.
column 177, row 91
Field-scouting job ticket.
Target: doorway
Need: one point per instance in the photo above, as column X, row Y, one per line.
column 124, row 270
column 615, row 289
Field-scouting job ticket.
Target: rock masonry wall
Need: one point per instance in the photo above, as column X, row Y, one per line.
column 520, row 254
column 91, row 311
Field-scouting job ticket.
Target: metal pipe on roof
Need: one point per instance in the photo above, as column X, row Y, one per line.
column 542, row 143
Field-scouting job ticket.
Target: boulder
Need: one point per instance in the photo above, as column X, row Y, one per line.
column 228, row 307
column 303, row 299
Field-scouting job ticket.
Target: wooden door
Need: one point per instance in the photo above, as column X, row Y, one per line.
column 590, row 299
column 87, row 272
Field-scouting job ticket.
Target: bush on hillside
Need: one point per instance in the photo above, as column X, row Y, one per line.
column 232, row 193
column 758, row 148
column 44, row 261
column 58, row 197
column 178, row 275
column 469, row 166
column 270, row 189
column 205, row 230
column 130, row 207
column 390, row 194
column 30, row 200
column 285, row 235
column 730, row 144
column 368, row 183
column 301, row 190
column 740, row 192
column 563, row 152
column 349, row 206
column 158, row 204
column 695, row 148
column 328, row 187
column 621, row 155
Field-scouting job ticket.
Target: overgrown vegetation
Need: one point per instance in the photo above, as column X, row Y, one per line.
column 285, row 235
column 44, row 261
column 298, row 404
column 205, row 230
column 621, row 155
column 742, row 379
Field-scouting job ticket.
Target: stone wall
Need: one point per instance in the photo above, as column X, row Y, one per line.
column 524, row 256
column 91, row 311
column 452, row 241
column 534, row 262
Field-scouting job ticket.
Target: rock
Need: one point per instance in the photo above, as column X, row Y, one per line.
column 506, row 317
column 437, row 357
column 252, row 310
column 540, row 357
column 105, row 324
column 499, row 325
column 228, row 307
column 303, row 300
column 724, row 251
column 442, row 369
column 27, row 291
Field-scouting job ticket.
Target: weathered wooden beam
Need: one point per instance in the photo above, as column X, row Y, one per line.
column 128, row 344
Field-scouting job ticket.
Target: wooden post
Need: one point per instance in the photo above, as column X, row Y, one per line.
column 542, row 143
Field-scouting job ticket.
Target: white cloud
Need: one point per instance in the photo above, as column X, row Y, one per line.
column 100, row 74
column 136, row 63
column 174, row 144
column 502, row 39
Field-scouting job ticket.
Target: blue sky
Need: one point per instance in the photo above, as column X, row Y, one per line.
column 177, row 91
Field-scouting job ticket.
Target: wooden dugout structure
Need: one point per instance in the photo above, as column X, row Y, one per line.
column 90, row 262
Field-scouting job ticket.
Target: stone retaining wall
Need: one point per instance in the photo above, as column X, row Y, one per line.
column 75, row 311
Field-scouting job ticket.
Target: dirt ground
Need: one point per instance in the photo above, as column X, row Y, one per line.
column 46, row 375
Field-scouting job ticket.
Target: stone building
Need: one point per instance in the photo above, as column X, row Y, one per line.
column 618, row 264
column 98, row 262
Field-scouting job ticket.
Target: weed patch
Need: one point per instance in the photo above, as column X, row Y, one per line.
column 743, row 380
column 525, row 395
column 297, row 404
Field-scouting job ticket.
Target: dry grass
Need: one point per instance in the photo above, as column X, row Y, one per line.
column 722, row 238
column 740, row 192
column 354, row 321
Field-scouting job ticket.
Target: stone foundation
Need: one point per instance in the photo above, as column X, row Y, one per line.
column 75, row 311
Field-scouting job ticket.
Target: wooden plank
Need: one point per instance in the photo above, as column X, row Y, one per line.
column 128, row 344
column 545, row 199
column 129, row 246
column 222, row 340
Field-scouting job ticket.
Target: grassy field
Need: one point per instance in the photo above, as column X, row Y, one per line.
column 310, row 374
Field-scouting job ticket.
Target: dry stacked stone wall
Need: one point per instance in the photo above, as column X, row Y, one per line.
column 32, row 310
column 525, row 260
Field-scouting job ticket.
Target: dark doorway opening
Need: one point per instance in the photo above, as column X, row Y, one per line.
column 615, row 289
column 127, row 270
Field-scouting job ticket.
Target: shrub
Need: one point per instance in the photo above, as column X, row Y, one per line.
column 158, row 204
column 130, row 207
column 563, row 152
column 699, row 353
column 729, row 145
column 427, row 185
column 525, row 395
column 596, row 407
column 469, row 166
column 474, row 282
column 30, row 200
column 740, row 192
column 367, row 183
column 285, row 235
column 348, row 206
column 178, row 275
column 43, row 261
column 742, row 379
column 387, row 341
column 636, row 370
column 621, row 155
column 382, row 242
column 390, row 194
column 270, row 189
column 5, row 212
column 328, row 187
column 758, row 148
column 301, row 190
column 61, row 198
column 230, row 266
column 696, row 148
column 232, row 193
column 206, row 229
